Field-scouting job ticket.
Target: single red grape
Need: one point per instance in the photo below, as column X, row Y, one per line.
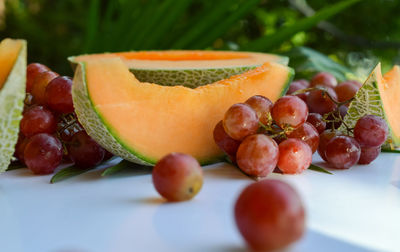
column 342, row 152
column 43, row 153
column 295, row 156
column 262, row 106
column 369, row 154
column 20, row 147
column 289, row 111
column 298, row 85
column 39, row 86
column 240, row 121
column 38, row 119
column 346, row 90
column 324, row 138
column 84, row 151
column 308, row 133
column 269, row 215
column 371, row 131
column 177, row 177
column 317, row 121
column 335, row 123
column 323, row 79
column 257, row 155
column 107, row 155
column 58, row 95
column 319, row 102
column 32, row 70
column 225, row 142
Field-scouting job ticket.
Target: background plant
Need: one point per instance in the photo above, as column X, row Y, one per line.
column 57, row 29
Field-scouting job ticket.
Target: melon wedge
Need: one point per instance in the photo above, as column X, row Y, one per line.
column 12, row 95
column 141, row 122
column 187, row 68
column 379, row 96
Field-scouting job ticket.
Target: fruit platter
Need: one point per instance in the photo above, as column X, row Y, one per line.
column 191, row 150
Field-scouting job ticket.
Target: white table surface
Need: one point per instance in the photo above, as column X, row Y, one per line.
column 353, row 210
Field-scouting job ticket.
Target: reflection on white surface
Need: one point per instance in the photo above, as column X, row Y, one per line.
column 352, row 210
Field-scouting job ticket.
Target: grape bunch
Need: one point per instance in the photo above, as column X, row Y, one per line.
column 49, row 129
column 259, row 135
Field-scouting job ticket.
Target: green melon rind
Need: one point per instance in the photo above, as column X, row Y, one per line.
column 191, row 78
column 89, row 117
column 97, row 127
column 12, row 97
column 368, row 101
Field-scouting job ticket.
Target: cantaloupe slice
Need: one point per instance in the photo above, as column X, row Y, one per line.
column 379, row 96
column 12, row 94
column 142, row 122
column 187, row 68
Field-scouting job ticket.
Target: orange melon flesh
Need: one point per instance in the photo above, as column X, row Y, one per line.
column 153, row 120
column 9, row 51
column 389, row 90
column 178, row 59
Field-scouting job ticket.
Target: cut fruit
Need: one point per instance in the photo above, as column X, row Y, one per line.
column 12, row 95
column 378, row 96
column 142, row 122
column 187, row 68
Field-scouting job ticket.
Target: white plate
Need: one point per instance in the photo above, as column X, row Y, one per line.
column 353, row 210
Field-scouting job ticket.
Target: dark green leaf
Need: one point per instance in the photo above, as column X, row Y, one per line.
column 390, row 151
column 271, row 41
column 15, row 165
column 307, row 62
column 319, row 169
column 68, row 172
column 118, row 167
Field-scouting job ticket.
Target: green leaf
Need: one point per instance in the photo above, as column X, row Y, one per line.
column 390, row 151
column 319, row 169
column 271, row 41
column 68, row 172
column 308, row 62
column 15, row 165
column 220, row 28
column 118, row 167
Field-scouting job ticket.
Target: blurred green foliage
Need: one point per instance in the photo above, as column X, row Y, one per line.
column 353, row 31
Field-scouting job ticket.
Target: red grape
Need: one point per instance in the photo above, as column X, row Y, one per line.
column 307, row 133
column 369, row 154
column 323, row 79
column 269, row 215
column 177, row 177
column 298, row 85
column 295, row 156
column 346, row 90
column 39, row 86
column 43, row 153
column 289, row 110
column 84, row 151
column 371, row 131
column 107, row 155
column 32, row 70
column 355, row 83
column 324, row 138
column 262, row 105
column 38, row 119
column 257, row 155
column 58, row 95
column 342, row 152
column 319, row 102
column 316, row 121
column 20, row 148
column 335, row 123
column 240, row 121
column 225, row 142
column 68, row 126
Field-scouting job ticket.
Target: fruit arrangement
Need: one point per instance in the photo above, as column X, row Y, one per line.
column 262, row 132
column 49, row 129
column 259, row 135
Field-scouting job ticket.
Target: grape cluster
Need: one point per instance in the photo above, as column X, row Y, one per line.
column 49, row 129
column 259, row 135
